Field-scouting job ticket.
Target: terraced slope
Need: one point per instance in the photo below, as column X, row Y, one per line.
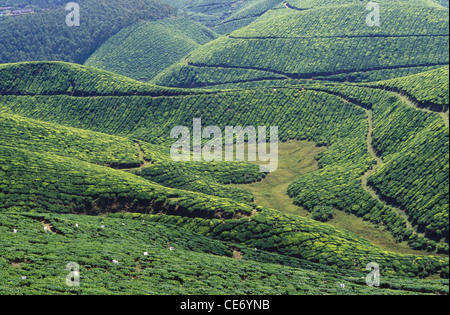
column 244, row 15
column 33, row 261
column 327, row 43
column 224, row 15
column 43, row 182
column 46, row 183
column 59, row 78
column 427, row 90
column 404, row 179
column 205, row 177
column 300, row 113
column 37, row 136
column 143, row 50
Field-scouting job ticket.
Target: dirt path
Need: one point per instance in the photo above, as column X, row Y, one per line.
column 369, row 172
column 444, row 117
column 411, row 103
column 144, row 163
column 371, row 150
column 295, row 158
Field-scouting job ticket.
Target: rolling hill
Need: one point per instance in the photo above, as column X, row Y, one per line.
column 91, row 201
column 32, row 258
column 427, row 89
column 223, row 15
column 143, row 50
column 324, row 43
column 341, row 126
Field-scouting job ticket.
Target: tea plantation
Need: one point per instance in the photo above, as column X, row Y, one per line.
column 330, row 42
column 92, row 202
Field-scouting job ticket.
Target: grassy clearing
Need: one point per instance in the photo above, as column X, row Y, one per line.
column 295, row 159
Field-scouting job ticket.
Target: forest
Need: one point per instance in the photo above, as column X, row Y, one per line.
column 25, row 38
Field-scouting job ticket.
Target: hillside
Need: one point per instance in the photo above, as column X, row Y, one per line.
column 427, row 90
column 223, row 15
column 412, row 39
column 44, row 35
column 59, row 78
column 143, row 50
column 57, row 185
column 84, row 145
column 211, row 268
column 341, row 125
column 355, row 124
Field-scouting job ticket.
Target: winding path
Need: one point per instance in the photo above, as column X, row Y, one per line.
column 369, row 172
column 408, row 101
column 411, row 103
column 379, row 161
column 144, row 163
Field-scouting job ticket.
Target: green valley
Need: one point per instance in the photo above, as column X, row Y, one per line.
column 93, row 201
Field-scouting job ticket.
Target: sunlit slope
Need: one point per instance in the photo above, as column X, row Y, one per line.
column 224, row 15
column 340, row 122
column 411, row 172
column 333, row 43
column 143, row 50
column 144, row 159
column 110, row 255
column 45, row 182
column 60, row 78
column 428, row 89
column 49, row 184
column 37, row 136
